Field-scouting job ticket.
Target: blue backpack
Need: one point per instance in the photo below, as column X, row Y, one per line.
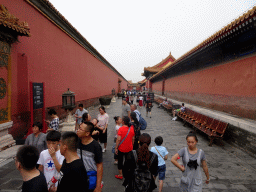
column 143, row 123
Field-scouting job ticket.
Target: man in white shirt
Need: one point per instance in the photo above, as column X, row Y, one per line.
column 134, row 109
column 126, row 111
column 79, row 113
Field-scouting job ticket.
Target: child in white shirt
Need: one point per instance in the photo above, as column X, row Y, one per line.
column 50, row 160
column 161, row 152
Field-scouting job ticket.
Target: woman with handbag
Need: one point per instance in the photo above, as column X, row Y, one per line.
column 192, row 158
column 124, row 143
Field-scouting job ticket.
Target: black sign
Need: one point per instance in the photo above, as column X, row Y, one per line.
column 38, row 95
column 151, row 95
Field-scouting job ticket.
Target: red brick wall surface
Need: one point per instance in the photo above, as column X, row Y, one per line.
column 52, row 57
column 157, row 87
column 230, row 87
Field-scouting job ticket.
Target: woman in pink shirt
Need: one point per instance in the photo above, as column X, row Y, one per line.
column 103, row 125
column 124, row 143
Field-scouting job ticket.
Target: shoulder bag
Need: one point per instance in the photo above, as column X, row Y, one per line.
column 124, row 137
column 91, row 175
column 159, row 153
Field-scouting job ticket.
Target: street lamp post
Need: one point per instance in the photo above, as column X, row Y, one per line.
column 68, row 103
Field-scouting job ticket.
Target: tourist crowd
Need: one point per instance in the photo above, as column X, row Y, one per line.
column 73, row 161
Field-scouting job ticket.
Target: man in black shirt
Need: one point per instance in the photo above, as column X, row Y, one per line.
column 25, row 161
column 96, row 131
column 149, row 106
column 73, row 172
column 90, row 151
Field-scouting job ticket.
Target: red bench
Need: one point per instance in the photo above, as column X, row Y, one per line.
column 158, row 100
column 166, row 106
column 211, row 127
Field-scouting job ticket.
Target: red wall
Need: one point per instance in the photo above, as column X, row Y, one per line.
column 157, row 87
column 230, row 87
column 51, row 56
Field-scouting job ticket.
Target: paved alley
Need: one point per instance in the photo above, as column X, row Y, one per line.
column 230, row 169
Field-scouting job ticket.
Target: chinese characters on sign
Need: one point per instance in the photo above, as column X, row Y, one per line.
column 38, row 97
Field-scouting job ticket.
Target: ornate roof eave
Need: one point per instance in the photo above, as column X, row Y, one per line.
column 143, row 81
column 12, row 22
column 134, row 84
column 156, row 68
column 229, row 29
column 152, row 69
column 164, row 60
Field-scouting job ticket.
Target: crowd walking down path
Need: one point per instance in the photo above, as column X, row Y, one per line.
column 230, row 169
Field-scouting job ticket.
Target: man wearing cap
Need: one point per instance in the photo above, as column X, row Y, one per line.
column 125, row 108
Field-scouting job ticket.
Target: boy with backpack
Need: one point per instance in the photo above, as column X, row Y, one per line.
column 50, row 160
column 161, row 152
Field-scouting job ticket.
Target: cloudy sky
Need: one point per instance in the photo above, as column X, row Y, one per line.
column 135, row 34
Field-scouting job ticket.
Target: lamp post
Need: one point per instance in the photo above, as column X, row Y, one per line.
column 68, row 100
column 113, row 92
column 114, row 95
column 68, row 103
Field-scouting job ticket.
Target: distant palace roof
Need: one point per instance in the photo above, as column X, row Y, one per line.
column 160, row 66
column 234, row 26
column 12, row 22
column 142, row 82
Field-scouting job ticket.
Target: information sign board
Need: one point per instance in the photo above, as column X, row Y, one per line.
column 151, row 95
column 38, row 95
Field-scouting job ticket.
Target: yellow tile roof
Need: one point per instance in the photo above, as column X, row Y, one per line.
column 156, row 68
column 10, row 21
column 245, row 17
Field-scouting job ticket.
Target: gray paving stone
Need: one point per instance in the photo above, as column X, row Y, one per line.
column 230, row 168
column 3, row 180
column 13, row 184
column 251, row 187
column 219, row 186
column 238, row 187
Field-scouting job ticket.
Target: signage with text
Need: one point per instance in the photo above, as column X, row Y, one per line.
column 151, row 95
column 38, row 95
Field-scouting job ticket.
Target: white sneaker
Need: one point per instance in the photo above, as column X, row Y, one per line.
column 103, row 150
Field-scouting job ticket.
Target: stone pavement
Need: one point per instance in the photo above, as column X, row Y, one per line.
column 230, row 169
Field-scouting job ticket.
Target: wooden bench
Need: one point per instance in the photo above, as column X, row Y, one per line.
column 215, row 130
column 211, row 127
column 168, row 106
column 183, row 114
column 158, row 100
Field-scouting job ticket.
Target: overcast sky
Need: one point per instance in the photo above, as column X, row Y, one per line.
column 135, row 34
